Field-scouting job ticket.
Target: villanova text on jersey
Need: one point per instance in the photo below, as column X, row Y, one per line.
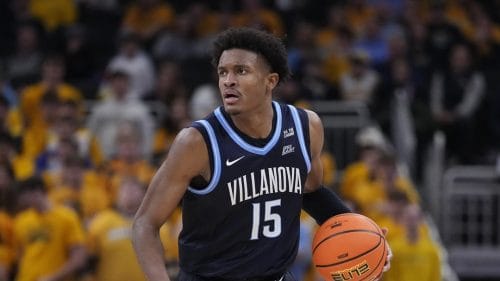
column 245, row 222
column 268, row 181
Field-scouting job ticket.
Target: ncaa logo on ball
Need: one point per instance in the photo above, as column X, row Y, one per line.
column 350, row 273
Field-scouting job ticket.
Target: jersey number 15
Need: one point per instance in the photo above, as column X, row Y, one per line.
column 272, row 227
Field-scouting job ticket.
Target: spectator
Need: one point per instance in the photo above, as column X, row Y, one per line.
column 415, row 251
column 373, row 43
column 109, row 236
column 362, row 170
column 401, row 110
column 182, row 42
column 54, row 15
column 168, row 83
column 34, row 139
column 117, row 108
column 128, row 159
column 52, row 80
column 135, row 63
column 441, row 36
column 455, row 98
column 11, row 120
column 23, row 65
column 50, row 238
column 81, row 68
column 22, row 166
column 146, row 18
column 254, row 14
column 359, row 84
column 78, row 187
column 68, row 125
column 177, row 118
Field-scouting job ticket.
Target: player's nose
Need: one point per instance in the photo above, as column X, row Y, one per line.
column 230, row 80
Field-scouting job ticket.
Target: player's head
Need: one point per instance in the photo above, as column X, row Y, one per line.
column 250, row 63
column 260, row 42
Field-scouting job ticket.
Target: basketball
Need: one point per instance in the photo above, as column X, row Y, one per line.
column 349, row 247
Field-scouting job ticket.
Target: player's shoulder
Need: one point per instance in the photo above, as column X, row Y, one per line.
column 188, row 141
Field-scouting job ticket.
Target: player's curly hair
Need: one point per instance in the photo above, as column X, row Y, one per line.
column 260, row 42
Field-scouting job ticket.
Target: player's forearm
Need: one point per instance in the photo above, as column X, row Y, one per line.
column 148, row 248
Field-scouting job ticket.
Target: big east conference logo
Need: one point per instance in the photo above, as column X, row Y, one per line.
column 351, row 273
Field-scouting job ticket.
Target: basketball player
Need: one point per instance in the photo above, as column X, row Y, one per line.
column 243, row 174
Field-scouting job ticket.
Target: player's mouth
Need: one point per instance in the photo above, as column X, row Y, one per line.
column 231, row 96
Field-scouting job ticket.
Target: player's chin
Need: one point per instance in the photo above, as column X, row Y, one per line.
column 232, row 109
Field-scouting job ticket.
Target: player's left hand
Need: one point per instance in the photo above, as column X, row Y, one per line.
column 387, row 264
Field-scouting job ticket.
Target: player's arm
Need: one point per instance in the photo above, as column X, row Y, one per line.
column 187, row 158
column 319, row 202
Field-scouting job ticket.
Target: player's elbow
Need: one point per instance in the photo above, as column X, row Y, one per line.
column 142, row 228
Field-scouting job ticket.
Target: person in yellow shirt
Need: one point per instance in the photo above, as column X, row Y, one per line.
column 360, row 171
column 254, row 14
column 49, row 239
column 129, row 159
column 110, row 236
column 79, row 188
column 10, row 117
column 416, row 255
column 55, row 13
column 148, row 17
column 22, row 166
column 52, row 76
column 371, row 197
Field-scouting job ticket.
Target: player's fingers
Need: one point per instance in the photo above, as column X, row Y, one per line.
column 387, row 264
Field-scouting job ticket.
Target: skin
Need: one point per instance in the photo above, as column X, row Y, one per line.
column 246, row 84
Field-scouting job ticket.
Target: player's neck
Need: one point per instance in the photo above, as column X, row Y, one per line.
column 256, row 124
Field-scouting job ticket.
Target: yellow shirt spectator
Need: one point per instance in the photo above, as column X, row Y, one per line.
column 44, row 240
column 54, row 13
column 264, row 18
column 370, row 196
column 354, row 173
column 412, row 261
column 146, row 20
column 110, row 241
column 32, row 96
column 141, row 169
column 88, row 199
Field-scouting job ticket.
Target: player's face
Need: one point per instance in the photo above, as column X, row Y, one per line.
column 245, row 81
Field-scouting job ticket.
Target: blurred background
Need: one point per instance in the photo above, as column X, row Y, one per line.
column 92, row 93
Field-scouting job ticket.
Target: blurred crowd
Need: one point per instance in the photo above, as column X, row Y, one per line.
column 92, row 93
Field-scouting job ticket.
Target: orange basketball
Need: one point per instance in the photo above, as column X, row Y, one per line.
column 349, row 247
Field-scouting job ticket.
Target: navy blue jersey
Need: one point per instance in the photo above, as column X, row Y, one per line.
column 245, row 222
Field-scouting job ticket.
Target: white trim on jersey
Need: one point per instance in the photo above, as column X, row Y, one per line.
column 243, row 144
column 300, row 135
column 217, row 162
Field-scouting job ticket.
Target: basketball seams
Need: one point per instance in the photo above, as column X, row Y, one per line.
column 344, row 232
column 357, row 256
column 328, row 245
column 382, row 258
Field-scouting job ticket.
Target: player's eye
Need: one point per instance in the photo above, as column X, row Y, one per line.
column 222, row 72
column 241, row 71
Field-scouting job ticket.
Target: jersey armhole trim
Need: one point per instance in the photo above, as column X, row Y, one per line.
column 300, row 135
column 214, row 179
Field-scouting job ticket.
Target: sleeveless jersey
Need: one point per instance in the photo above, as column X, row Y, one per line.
column 245, row 222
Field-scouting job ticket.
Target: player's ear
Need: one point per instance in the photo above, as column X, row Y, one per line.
column 272, row 80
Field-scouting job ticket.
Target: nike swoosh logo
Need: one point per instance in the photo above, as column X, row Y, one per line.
column 230, row 163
